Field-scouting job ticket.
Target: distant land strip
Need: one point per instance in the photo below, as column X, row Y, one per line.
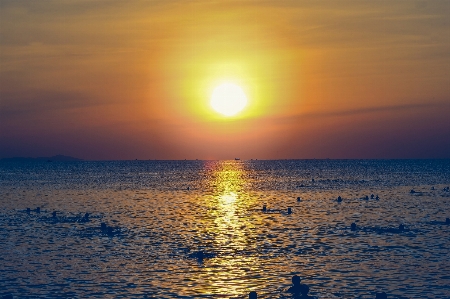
column 49, row 159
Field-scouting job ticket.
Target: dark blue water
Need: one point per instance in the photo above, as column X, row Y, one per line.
column 163, row 213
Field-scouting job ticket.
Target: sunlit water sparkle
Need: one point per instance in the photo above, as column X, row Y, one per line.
column 160, row 226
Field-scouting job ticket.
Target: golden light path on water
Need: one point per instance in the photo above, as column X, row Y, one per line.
column 232, row 227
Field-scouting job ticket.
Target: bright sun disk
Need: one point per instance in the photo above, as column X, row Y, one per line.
column 228, row 99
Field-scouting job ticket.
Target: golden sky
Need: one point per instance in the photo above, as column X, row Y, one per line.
column 133, row 79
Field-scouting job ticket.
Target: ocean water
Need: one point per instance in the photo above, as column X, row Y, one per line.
column 196, row 229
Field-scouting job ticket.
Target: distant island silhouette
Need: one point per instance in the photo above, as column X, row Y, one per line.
column 57, row 158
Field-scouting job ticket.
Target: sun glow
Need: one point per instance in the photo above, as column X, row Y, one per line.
column 228, row 99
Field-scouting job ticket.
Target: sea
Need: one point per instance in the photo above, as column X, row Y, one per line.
column 220, row 229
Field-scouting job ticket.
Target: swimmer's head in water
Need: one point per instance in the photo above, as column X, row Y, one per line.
column 295, row 280
column 252, row 295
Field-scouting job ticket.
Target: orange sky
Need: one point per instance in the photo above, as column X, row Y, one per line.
column 132, row 79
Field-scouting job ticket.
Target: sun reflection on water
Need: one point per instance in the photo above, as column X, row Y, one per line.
column 231, row 224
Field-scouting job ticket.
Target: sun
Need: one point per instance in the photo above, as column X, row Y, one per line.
column 228, row 99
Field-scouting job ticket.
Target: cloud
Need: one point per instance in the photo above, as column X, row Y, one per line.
column 38, row 102
column 370, row 110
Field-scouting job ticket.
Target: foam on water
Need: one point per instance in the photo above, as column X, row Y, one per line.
column 212, row 240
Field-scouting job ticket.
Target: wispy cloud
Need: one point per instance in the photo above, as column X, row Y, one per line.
column 39, row 102
column 377, row 109
column 361, row 111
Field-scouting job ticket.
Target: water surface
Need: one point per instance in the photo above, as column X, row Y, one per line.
column 164, row 213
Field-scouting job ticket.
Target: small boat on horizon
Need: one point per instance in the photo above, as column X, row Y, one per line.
column 237, row 159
